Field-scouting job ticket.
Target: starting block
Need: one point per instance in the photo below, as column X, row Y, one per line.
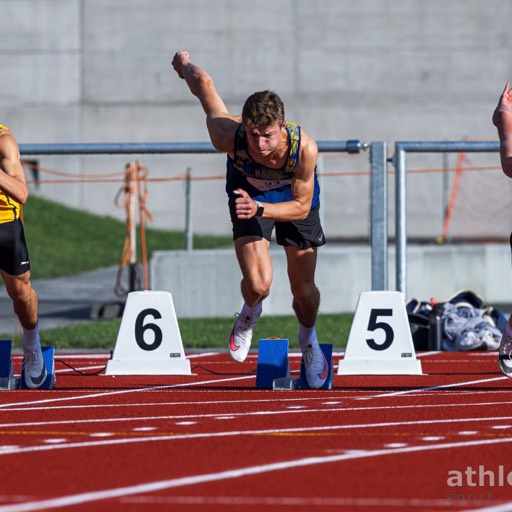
column 380, row 340
column 327, row 350
column 273, row 362
column 273, row 370
column 49, row 362
column 7, row 379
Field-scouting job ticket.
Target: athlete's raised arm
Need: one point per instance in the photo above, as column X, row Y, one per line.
column 220, row 123
column 12, row 176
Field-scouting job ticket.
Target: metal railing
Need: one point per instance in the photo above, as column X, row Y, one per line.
column 129, row 148
column 399, row 162
column 378, row 181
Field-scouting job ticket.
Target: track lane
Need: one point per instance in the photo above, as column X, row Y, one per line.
column 201, row 434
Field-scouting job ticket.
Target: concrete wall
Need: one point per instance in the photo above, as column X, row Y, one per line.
column 207, row 283
column 98, row 71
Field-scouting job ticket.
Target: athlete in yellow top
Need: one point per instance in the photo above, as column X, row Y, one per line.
column 14, row 259
column 9, row 207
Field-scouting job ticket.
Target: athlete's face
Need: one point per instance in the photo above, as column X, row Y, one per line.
column 262, row 140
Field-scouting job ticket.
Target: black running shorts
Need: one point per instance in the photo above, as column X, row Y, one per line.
column 300, row 233
column 13, row 248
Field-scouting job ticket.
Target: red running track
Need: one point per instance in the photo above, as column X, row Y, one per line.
column 213, row 442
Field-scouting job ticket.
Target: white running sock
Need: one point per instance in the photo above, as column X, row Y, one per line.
column 307, row 336
column 30, row 339
column 253, row 312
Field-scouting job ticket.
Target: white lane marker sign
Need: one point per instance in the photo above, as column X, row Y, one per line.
column 149, row 340
column 380, row 340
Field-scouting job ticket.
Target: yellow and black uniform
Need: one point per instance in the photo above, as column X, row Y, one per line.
column 14, row 257
column 9, row 208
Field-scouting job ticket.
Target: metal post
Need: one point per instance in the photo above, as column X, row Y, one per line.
column 133, row 230
column 189, row 235
column 129, row 148
column 379, row 215
column 401, row 148
column 320, row 167
column 446, row 186
column 400, row 220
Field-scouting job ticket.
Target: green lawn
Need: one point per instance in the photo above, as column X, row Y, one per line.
column 63, row 241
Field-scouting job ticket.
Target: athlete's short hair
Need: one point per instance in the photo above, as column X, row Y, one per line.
column 264, row 108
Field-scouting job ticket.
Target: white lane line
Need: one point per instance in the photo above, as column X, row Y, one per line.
column 167, row 417
column 92, row 356
column 238, row 433
column 124, row 391
column 288, row 501
column 503, row 507
column 203, row 354
column 19, row 406
column 159, row 485
column 433, row 388
column 78, row 370
column 167, row 404
column 102, row 365
column 242, row 415
column 106, row 355
column 266, row 400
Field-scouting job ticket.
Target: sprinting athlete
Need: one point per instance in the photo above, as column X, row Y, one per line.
column 14, row 259
column 271, row 182
column 502, row 119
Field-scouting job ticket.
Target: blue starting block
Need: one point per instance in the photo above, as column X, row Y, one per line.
column 7, row 379
column 273, row 362
column 48, row 356
column 303, row 383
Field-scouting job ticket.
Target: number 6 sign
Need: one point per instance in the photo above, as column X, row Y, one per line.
column 149, row 339
column 380, row 341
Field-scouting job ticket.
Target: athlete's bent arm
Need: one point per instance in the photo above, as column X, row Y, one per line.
column 12, row 176
column 221, row 125
column 303, row 186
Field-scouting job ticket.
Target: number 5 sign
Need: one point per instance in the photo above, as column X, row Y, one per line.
column 380, row 341
column 149, row 339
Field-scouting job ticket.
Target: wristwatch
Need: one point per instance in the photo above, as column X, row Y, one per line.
column 259, row 211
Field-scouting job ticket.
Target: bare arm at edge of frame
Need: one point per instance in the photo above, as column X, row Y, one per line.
column 502, row 119
column 12, row 175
